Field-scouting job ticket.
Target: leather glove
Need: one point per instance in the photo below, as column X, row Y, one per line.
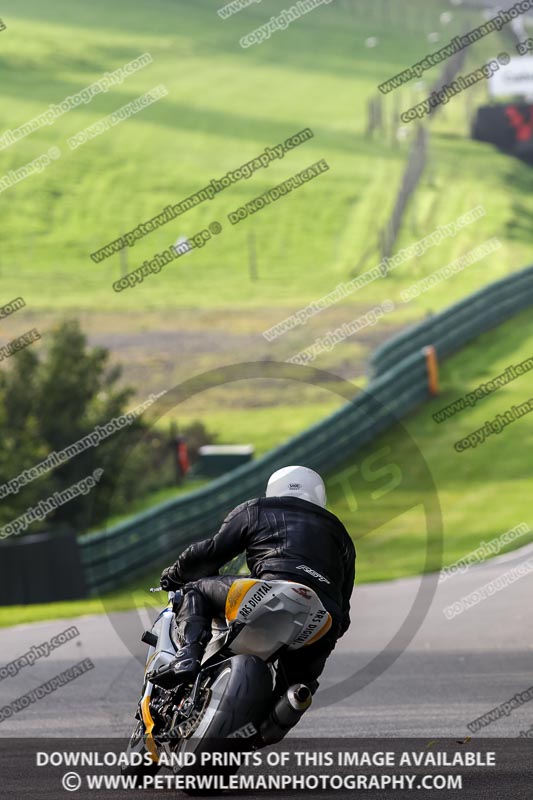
column 168, row 581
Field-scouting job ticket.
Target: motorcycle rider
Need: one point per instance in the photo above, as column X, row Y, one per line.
column 287, row 535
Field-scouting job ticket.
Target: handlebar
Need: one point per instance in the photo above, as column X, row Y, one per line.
column 173, row 594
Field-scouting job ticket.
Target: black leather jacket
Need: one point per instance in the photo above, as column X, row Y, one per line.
column 284, row 537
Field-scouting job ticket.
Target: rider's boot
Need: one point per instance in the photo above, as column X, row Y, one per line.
column 184, row 668
column 186, row 665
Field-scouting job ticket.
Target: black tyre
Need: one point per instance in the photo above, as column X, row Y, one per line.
column 241, row 697
column 137, row 744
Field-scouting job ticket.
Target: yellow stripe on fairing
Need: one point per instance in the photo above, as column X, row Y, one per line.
column 238, row 590
column 149, row 726
column 322, row 632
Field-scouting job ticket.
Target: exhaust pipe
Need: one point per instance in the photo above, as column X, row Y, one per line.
column 286, row 713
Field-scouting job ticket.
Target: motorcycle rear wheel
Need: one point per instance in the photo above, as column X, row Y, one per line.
column 241, row 698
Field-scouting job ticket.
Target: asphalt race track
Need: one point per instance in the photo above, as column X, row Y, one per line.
column 452, row 672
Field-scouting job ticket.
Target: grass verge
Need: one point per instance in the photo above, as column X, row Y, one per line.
column 391, row 535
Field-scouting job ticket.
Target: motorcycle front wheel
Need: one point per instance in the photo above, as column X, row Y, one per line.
column 137, row 744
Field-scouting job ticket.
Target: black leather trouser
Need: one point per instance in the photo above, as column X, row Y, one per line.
column 206, row 598
column 201, row 601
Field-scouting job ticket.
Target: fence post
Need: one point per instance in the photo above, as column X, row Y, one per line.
column 432, row 367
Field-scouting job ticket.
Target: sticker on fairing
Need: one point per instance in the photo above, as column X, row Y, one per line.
column 253, row 598
column 313, row 627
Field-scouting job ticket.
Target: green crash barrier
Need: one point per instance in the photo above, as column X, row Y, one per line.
column 112, row 557
column 451, row 329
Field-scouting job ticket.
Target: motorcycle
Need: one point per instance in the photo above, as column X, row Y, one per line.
column 233, row 700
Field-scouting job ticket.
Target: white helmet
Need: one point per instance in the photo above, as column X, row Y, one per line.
column 297, row 482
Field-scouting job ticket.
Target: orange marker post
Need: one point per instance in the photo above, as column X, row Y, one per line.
column 432, row 366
